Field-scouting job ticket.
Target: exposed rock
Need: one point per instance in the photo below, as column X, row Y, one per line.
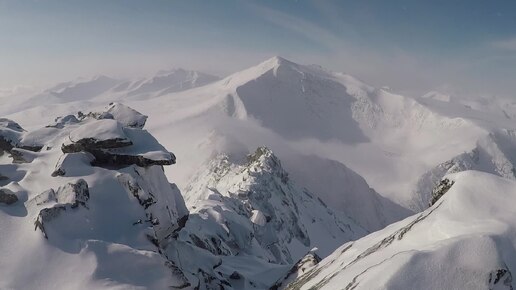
column 10, row 134
column 500, row 279
column 46, row 215
column 440, row 190
column 251, row 206
column 115, row 146
column 106, row 158
column 74, row 194
column 7, row 197
column 69, row 196
column 95, row 135
column 22, row 156
column 301, row 267
column 61, row 122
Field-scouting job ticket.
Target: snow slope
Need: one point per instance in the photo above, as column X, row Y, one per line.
column 465, row 240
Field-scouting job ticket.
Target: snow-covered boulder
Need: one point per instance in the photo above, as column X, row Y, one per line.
column 94, row 135
column 72, row 164
column 67, row 197
column 127, row 116
column 10, row 134
column 61, row 122
column 164, row 206
column 113, row 144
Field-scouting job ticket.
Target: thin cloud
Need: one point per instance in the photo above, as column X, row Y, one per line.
column 300, row 26
column 506, row 44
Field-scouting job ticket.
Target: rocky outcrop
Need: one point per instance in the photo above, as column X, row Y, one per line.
column 440, row 190
column 500, row 279
column 306, row 263
column 105, row 158
column 126, row 115
column 114, row 145
column 10, row 134
column 252, row 207
column 163, row 204
column 67, row 197
column 61, row 122
column 7, row 197
column 96, row 135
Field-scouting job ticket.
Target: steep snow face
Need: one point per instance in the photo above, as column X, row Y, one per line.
column 80, row 226
column 344, row 190
column 322, row 106
column 255, row 209
column 466, row 239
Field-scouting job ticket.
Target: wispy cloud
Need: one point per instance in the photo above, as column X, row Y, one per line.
column 506, row 44
column 300, row 26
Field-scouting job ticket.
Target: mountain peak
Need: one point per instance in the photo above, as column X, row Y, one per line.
column 276, row 61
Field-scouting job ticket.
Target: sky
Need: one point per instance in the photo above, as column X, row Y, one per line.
column 409, row 45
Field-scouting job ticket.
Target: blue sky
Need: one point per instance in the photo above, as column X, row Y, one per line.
column 409, row 45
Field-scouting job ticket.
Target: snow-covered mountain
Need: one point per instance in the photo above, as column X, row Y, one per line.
column 107, row 89
column 89, row 191
column 353, row 165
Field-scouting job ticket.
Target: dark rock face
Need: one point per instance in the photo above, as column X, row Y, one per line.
column 106, row 158
column 500, row 279
column 7, row 197
column 5, row 145
column 90, row 144
column 440, row 190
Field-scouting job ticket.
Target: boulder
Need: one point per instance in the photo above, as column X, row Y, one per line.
column 69, row 196
column 96, row 135
column 7, row 197
column 10, row 134
column 61, row 122
column 126, row 115
column 72, row 163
